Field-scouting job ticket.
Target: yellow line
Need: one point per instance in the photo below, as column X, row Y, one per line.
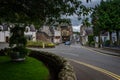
column 98, row 69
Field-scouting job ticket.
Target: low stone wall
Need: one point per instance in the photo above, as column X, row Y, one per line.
column 60, row 68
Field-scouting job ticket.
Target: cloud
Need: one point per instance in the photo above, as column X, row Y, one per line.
column 76, row 28
column 74, row 18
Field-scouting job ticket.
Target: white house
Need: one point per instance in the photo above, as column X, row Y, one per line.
column 4, row 33
column 105, row 37
column 57, row 36
column 30, row 33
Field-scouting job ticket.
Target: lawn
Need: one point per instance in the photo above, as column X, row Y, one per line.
column 31, row 69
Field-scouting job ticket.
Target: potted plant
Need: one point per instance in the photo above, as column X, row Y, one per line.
column 17, row 43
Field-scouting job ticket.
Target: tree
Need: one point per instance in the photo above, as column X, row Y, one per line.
column 37, row 12
column 30, row 11
column 106, row 14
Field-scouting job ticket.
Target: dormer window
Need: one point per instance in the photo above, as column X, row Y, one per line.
column 1, row 28
column 27, row 29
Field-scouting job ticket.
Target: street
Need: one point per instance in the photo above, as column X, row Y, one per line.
column 88, row 64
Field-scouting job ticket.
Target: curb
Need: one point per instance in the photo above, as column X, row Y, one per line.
column 59, row 66
column 104, row 51
column 107, row 53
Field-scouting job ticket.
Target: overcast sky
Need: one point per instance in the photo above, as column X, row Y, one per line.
column 76, row 24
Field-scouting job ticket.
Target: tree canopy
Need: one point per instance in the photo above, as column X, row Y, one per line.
column 106, row 17
column 38, row 11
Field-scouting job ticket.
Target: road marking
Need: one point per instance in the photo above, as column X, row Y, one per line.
column 98, row 69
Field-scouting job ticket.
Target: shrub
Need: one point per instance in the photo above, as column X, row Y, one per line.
column 107, row 43
column 115, row 43
column 91, row 40
column 34, row 43
column 50, row 45
column 92, row 43
column 40, row 44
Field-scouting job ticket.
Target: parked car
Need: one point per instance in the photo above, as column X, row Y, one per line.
column 67, row 43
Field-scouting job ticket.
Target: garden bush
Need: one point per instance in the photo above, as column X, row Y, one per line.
column 40, row 44
column 107, row 43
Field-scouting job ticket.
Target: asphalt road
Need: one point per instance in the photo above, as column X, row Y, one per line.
column 88, row 64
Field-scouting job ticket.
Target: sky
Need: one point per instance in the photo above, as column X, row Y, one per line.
column 75, row 23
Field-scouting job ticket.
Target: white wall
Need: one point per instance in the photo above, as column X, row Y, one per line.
column 57, row 33
column 33, row 34
column 2, row 36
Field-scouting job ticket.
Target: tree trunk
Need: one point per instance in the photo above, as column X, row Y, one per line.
column 99, row 40
column 118, row 38
column 110, row 34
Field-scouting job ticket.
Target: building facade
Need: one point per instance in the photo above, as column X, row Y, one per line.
column 30, row 33
column 4, row 33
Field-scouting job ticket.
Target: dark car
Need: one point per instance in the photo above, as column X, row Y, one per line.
column 67, row 43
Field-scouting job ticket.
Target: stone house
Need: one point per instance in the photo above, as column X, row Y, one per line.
column 57, row 35
column 84, row 33
column 45, row 33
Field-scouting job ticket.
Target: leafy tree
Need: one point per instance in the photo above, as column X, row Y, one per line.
column 34, row 12
column 37, row 12
column 106, row 16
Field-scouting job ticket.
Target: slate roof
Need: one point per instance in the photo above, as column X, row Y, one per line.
column 32, row 28
column 89, row 31
column 4, row 27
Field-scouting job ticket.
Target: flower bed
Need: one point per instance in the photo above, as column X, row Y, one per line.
column 40, row 44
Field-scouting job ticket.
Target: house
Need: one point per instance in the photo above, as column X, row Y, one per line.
column 57, row 35
column 4, row 33
column 106, row 37
column 84, row 33
column 42, row 36
column 30, row 33
column 45, row 33
column 66, row 32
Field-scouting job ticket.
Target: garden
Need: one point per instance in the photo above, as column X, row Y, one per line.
column 40, row 44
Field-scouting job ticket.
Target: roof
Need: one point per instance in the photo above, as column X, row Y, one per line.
column 4, row 27
column 32, row 28
column 89, row 31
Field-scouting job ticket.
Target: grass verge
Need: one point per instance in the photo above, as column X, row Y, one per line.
column 31, row 69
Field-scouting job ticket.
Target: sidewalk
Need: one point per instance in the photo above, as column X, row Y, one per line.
column 109, row 51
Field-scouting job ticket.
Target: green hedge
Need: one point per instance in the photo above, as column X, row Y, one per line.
column 40, row 44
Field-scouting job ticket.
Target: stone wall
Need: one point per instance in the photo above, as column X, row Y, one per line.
column 60, row 68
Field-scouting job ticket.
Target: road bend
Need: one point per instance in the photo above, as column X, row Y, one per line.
column 88, row 64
